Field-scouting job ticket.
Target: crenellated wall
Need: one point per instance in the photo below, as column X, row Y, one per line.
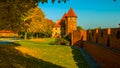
column 104, row 56
column 103, row 45
column 109, row 37
column 78, row 37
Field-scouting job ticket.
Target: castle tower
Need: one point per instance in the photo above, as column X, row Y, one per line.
column 71, row 19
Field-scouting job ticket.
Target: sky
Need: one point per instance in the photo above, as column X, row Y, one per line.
column 91, row 13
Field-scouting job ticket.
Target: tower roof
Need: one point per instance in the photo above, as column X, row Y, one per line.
column 63, row 18
column 71, row 13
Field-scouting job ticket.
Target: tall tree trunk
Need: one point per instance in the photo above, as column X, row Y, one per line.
column 25, row 36
column 32, row 35
column 37, row 34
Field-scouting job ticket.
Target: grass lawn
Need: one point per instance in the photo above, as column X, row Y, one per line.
column 37, row 53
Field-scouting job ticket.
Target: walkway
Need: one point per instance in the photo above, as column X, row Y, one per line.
column 5, row 42
column 88, row 58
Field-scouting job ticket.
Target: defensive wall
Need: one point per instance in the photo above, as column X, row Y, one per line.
column 103, row 45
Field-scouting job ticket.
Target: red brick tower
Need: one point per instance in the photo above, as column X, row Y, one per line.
column 71, row 19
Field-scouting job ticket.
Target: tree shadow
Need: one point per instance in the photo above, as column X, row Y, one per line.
column 12, row 58
column 79, row 59
column 79, row 43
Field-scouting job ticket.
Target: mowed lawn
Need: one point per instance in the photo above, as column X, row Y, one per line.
column 48, row 56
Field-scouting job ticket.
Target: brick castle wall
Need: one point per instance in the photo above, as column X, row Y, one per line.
column 108, row 37
column 78, row 37
column 103, row 56
column 103, row 45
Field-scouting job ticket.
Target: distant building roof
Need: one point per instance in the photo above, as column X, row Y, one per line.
column 71, row 13
column 6, row 31
column 58, row 24
column 63, row 18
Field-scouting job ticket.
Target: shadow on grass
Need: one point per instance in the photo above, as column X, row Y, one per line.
column 79, row 59
column 12, row 58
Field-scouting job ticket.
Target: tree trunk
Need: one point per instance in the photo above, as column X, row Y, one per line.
column 37, row 34
column 25, row 36
column 32, row 35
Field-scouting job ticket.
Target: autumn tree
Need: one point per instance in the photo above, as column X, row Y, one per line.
column 31, row 23
column 13, row 12
column 35, row 23
column 47, row 27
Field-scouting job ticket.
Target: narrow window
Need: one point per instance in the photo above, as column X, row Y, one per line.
column 96, row 40
column 108, row 42
column 92, row 33
column 101, row 33
column 118, row 34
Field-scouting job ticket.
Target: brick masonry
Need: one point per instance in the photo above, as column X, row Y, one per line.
column 103, row 45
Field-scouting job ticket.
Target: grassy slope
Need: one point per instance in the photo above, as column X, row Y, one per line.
column 56, row 54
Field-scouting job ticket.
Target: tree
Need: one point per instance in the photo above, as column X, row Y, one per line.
column 13, row 12
column 79, row 28
column 31, row 23
column 48, row 27
column 114, row 0
column 35, row 23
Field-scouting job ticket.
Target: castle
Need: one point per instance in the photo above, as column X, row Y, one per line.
column 103, row 45
column 65, row 25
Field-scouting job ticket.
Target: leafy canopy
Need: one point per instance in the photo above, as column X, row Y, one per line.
column 13, row 12
column 36, row 22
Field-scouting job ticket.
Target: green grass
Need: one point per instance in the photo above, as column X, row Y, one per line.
column 63, row 56
column 57, row 54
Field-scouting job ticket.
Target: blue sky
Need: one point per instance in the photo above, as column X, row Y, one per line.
column 91, row 13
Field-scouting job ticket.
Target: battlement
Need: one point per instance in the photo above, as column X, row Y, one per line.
column 101, row 44
column 109, row 37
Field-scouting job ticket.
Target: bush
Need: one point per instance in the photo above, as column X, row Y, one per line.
column 68, row 38
column 60, row 41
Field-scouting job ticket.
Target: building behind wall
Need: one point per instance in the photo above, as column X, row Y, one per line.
column 66, row 24
column 56, row 32
column 7, row 34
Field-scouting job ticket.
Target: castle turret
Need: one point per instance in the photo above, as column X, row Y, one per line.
column 71, row 19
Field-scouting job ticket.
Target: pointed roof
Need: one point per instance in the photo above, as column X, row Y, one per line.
column 71, row 13
column 58, row 24
column 63, row 18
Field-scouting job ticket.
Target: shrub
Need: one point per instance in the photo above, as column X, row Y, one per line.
column 60, row 41
column 68, row 38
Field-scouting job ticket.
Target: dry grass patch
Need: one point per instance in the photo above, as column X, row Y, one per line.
column 40, row 40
